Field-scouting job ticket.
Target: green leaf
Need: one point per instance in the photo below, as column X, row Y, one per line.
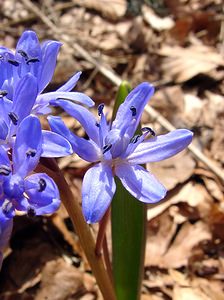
column 128, row 219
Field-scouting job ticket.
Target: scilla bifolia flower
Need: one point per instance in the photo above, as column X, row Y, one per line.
column 34, row 194
column 39, row 61
column 116, row 150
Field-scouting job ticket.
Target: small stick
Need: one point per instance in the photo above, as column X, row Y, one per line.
column 102, row 232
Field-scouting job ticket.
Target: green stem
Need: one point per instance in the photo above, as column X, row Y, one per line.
column 128, row 220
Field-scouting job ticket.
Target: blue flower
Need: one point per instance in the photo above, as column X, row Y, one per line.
column 117, row 151
column 34, row 194
column 36, row 62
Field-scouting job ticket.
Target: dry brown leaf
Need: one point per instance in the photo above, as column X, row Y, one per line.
column 182, row 64
column 195, row 195
column 174, row 170
column 112, row 9
column 188, row 237
column 188, row 293
column 155, row 21
column 60, row 281
column 160, row 233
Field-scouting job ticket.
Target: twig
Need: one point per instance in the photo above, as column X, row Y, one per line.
column 102, row 232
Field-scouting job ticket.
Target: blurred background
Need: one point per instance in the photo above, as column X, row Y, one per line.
column 178, row 45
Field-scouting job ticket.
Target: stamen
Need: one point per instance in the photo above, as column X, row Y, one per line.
column 133, row 110
column 13, row 62
column 5, row 170
column 31, row 152
column 31, row 212
column 100, row 109
column 97, row 124
column 23, row 54
column 149, row 130
column 42, row 185
column 6, row 207
column 3, row 93
column 106, row 148
column 32, row 60
column 14, row 118
column 135, row 139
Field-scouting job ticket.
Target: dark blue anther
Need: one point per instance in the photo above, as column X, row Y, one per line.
column 106, row 148
column 32, row 60
column 3, row 93
column 97, row 124
column 133, row 111
column 7, row 207
column 14, row 118
column 31, row 152
column 23, row 54
column 135, row 139
column 5, row 170
column 100, row 109
column 42, row 185
column 31, row 212
column 149, row 130
column 13, row 62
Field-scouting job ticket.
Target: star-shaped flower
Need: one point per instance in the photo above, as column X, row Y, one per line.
column 116, row 150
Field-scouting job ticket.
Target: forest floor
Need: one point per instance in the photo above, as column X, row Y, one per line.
column 178, row 45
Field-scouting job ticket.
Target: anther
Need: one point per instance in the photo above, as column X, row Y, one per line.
column 5, row 170
column 149, row 130
column 32, row 60
column 106, row 148
column 13, row 62
column 3, row 93
column 31, row 152
column 133, row 110
column 23, row 54
column 7, row 207
column 31, row 212
column 14, row 118
column 97, row 124
column 100, row 109
column 135, row 139
column 42, row 185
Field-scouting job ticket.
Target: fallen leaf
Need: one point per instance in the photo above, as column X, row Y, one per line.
column 182, row 64
column 174, row 170
column 155, row 21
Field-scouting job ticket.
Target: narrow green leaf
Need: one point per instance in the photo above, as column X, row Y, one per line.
column 128, row 234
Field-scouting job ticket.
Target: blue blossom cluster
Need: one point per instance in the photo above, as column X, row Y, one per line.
column 114, row 148
column 23, row 77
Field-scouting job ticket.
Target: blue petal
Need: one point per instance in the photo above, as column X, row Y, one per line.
column 140, row 183
column 161, row 147
column 25, row 96
column 86, row 149
column 28, row 43
column 6, row 68
column 136, row 100
column 28, row 139
column 70, row 84
column 54, row 145
column 49, row 57
column 72, row 96
column 3, row 130
column 85, row 117
column 46, row 201
column 97, row 192
column 4, row 159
